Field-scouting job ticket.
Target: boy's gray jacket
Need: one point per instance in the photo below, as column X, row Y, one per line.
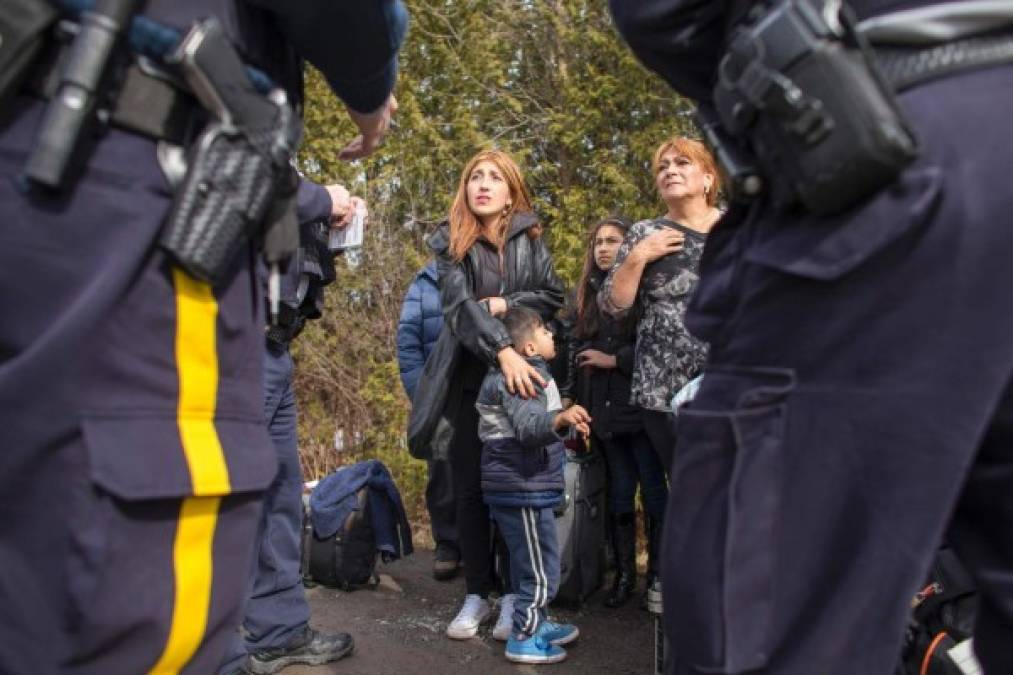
column 522, row 455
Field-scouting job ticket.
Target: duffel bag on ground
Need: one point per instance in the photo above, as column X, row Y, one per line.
column 347, row 559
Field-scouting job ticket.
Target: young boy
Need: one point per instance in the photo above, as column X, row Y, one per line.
column 522, row 480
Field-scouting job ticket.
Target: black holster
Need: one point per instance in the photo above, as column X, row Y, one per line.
column 239, row 184
column 799, row 88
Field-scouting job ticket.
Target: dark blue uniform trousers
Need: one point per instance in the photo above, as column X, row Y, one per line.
column 530, row 536
column 277, row 609
column 133, row 454
column 857, row 406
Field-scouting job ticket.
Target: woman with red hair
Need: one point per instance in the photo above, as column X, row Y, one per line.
column 490, row 257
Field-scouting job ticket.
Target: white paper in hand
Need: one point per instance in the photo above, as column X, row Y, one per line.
column 349, row 236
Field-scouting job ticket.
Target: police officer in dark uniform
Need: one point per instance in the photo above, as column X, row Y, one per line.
column 276, row 631
column 131, row 392
column 859, row 397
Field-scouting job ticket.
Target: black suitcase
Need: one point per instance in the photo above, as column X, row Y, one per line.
column 346, row 560
column 580, row 527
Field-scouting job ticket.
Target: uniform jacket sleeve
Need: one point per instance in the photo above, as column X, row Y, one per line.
column 681, row 40
column 410, row 345
column 546, row 294
column 532, row 423
column 354, row 43
column 313, row 202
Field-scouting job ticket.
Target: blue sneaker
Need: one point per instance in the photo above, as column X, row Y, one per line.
column 534, row 649
column 557, row 633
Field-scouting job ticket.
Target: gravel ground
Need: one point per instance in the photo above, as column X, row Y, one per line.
column 399, row 629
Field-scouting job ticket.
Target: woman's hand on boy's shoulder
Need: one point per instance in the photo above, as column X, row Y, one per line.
column 519, row 376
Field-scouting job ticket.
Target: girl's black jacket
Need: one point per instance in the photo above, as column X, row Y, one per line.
column 606, row 393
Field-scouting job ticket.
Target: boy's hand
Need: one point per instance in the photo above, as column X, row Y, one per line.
column 576, row 417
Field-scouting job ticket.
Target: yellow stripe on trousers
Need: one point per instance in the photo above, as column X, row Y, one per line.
column 193, row 562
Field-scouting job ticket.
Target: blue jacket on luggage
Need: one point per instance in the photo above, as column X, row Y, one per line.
column 334, row 499
column 522, row 454
column 419, row 326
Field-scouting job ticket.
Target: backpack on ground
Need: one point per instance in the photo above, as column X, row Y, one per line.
column 347, row 559
column 942, row 622
column 580, row 527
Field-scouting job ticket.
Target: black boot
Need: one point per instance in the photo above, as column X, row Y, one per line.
column 446, row 561
column 310, row 648
column 624, row 539
column 653, row 528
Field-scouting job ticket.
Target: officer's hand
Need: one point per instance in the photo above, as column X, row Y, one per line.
column 357, row 204
column 658, row 245
column 341, row 205
column 374, row 127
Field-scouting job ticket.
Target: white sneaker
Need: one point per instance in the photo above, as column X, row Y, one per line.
column 505, row 622
column 473, row 614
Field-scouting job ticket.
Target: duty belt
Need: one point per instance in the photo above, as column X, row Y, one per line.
column 148, row 101
column 925, row 43
column 906, row 67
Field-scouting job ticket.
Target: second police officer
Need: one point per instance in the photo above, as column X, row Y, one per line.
column 276, row 631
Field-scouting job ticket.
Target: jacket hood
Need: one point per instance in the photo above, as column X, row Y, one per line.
column 521, row 222
column 439, row 240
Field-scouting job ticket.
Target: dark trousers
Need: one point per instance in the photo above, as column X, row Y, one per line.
column 530, row 536
column 474, row 529
column 132, row 459
column 659, row 427
column 858, row 404
column 440, row 502
column 277, row 609
column 632, row 460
